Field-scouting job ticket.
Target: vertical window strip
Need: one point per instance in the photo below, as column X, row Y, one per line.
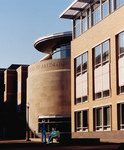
column 120, row 51
column 81, row 79
column 101, row 70
column 81, row 121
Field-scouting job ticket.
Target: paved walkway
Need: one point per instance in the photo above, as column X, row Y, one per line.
column 35, row 144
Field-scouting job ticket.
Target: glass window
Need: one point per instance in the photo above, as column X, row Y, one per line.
column 81, row 79
column 78, row 64
column 102, row 118
column 84, row 24
column 99, row 117
column 96, row 16
column 107, row 119
column 120, row 108
column 120, row 51
column 111, row 5
column 81, row 120
column 121, row 42
column 98, row 55
column 61, row 52
column 77, row 27
column 101, row 71
column 105, row 9
column 105, row 51
column 116, row 4
column 84, row 62
column 121, row 2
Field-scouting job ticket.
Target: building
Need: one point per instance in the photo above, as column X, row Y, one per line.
column 97, row 69
column 48, row 85
column 13, row 101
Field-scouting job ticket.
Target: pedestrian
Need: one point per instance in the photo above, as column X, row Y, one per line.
column 43, row 131
column 52, row 135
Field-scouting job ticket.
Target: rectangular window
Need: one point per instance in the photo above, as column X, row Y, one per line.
column 81, row 121
column 101, row 70
column 111, row 7
column 77, row 27
column 102, row 118
column 81, row 79
column 120, row 52
column 120, row 108
column 105, row 8
column 96, row 12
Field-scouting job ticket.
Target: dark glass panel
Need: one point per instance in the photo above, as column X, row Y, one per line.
column 84, row 62
column 78, row 64
column 85, row 118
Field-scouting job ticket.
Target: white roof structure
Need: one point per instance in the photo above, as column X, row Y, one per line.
column 74, row 8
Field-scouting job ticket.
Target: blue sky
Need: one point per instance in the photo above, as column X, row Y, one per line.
column 24, row 21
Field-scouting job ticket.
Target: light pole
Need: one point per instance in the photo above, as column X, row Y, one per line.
column 27, row 122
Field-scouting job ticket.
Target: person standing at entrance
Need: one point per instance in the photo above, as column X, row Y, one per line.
column 43, row 130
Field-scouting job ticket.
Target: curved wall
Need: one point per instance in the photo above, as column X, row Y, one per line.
column 48, row 90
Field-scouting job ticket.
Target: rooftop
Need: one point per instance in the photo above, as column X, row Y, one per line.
column 74, row 8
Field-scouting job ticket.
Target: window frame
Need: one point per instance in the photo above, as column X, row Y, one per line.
column 102, row 64
column 119, row 55
column 80, row 73
column 82, row 128
column 102, row 127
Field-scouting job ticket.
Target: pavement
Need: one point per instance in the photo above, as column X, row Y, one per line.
column 35, row 144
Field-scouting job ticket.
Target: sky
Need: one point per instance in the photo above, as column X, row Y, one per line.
column 24, row 21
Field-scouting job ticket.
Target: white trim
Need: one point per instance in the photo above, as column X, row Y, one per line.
column 101, row 42
column 122, row 30
column 81, row 109
column 109, row 104
column 119, row 102
column 86, row 51
column 54, row 116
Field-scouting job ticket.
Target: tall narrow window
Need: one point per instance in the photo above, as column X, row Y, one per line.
column 105, row 8
column 77, row 27
column 96, row 12
column 81, row 79
column 101, row 71
column 102, row 118
column 84, row 22
column 120, row 51
column 111, row 7
column 120, row 116
column 81, row 120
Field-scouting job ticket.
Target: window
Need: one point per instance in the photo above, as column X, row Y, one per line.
column 102, row 118
column 120, row 60
column 101, row 71
column 81, row 121
column 77, row 27
column 96, row 12
column 111, row 2
column 119, row 3
column 88, row 18
column 84, row 22
column 105, row 8
column 120, row 109
column 63, row 51
column 81, row 79
column 93, row 13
